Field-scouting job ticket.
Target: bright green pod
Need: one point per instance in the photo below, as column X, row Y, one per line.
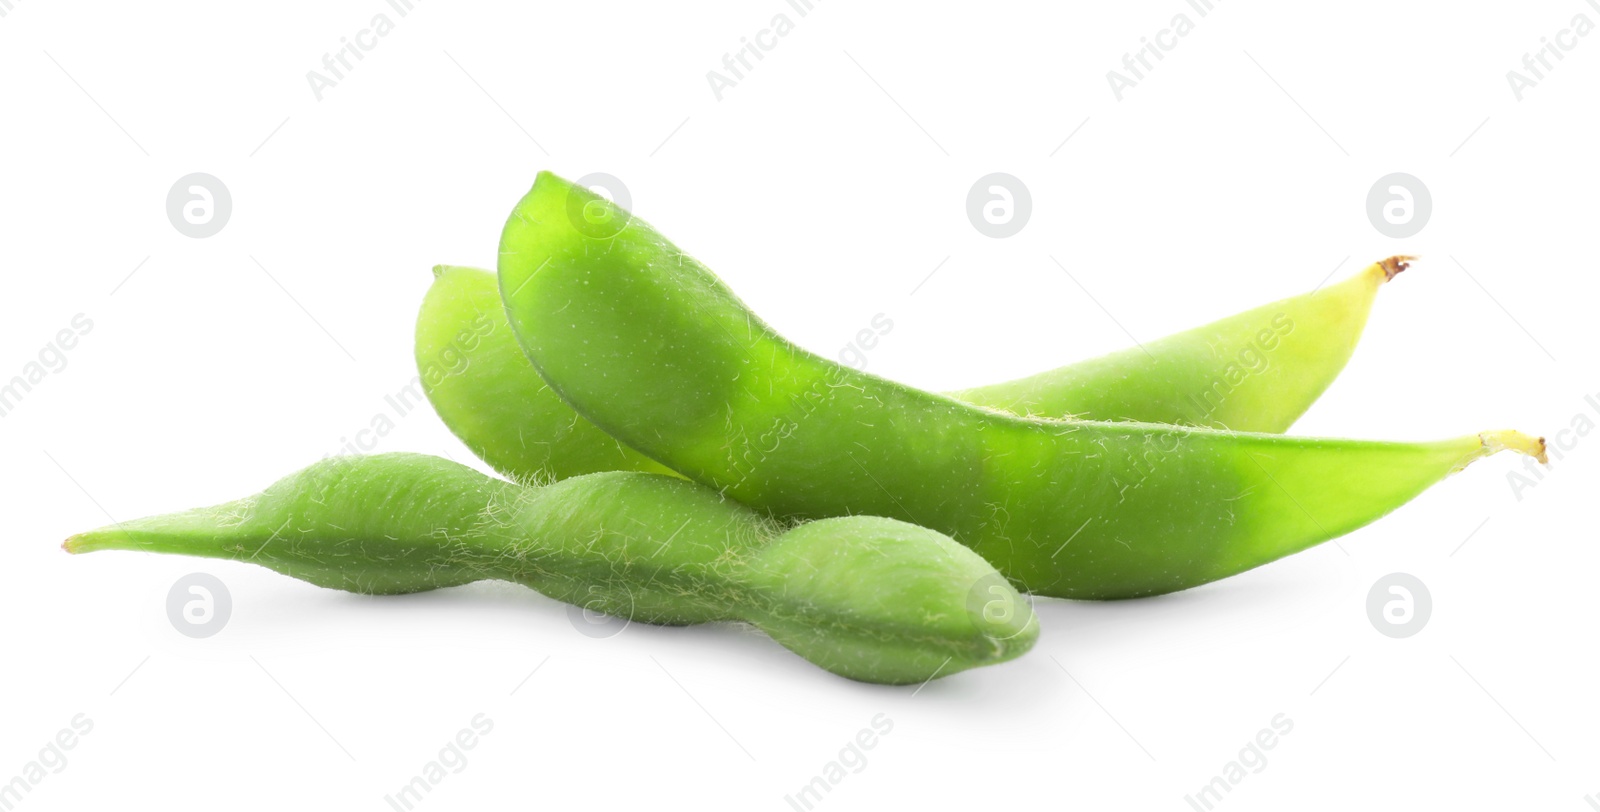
column 867, row 598
column 1255, row 371
column 649, row 345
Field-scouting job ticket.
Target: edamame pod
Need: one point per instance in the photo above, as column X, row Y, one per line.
column 649, row 345
column 1255, row 371
column 871, row 599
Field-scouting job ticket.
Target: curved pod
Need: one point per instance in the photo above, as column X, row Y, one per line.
column 648, row 344
column 1253, row 371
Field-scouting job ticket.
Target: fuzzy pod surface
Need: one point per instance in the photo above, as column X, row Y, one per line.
column 648, row 344
column 868, row 598
column 1257, row 370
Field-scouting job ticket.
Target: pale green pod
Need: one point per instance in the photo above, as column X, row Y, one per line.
column 867, row 598
column 1253, row 371
column 487, row 393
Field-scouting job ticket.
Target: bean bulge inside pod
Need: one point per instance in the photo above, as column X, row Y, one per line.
column 871, row 599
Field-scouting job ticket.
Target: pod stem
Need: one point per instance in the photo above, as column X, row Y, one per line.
column 1394, row 265
column 1512, row 440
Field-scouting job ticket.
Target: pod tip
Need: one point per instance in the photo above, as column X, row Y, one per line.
column 1394, row 265
column 1508, row 439
column 89, row 541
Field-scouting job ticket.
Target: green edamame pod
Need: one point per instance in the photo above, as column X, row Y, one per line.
column 867, row 598
column 1255, row 371
column 649, row 345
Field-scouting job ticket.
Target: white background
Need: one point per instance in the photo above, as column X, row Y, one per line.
column 825, row 187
